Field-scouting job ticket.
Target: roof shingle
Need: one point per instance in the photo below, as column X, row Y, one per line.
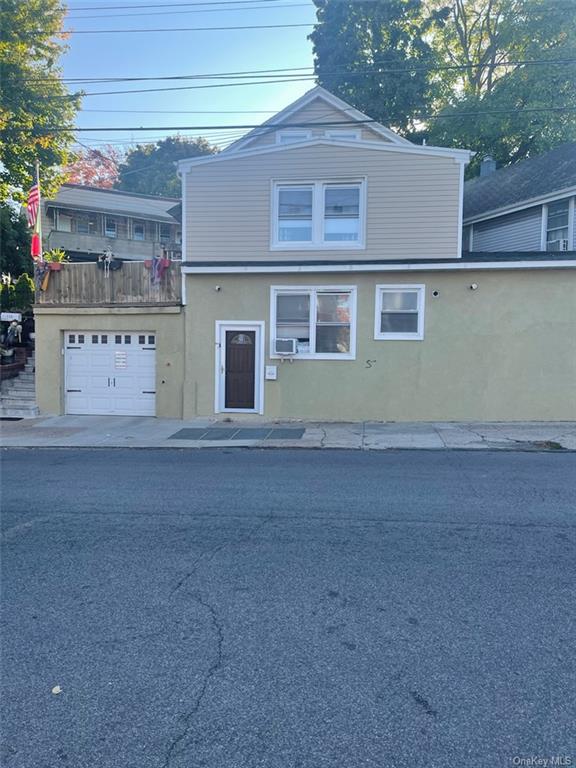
column 523, row 181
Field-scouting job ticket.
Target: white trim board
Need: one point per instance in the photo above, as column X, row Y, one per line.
column 458, row 155
column 220, row 364
column 315, row 93
column 432, row 267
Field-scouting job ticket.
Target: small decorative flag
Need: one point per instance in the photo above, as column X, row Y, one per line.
column 33, row 203
column 35, row 217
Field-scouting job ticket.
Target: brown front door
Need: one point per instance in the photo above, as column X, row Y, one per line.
column 240, row 369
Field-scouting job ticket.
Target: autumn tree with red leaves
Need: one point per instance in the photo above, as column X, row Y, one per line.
column 95, row 167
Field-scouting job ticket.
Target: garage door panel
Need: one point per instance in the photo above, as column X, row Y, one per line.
column 110, row 373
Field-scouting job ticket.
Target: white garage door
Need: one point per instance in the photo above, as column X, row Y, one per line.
column 110, row 373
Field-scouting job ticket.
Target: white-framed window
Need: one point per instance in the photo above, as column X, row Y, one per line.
column 291, row 137
column 399, row 312
column 110, row 227
column 557, row 226
column 322, row 320
column 344, row 135
column 319, row 214
column 138, row 230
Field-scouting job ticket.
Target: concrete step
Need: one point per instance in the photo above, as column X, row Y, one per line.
column 19, row 412
column 18, row 383
column 18, row 394
column 24, row 377
column 29, row 367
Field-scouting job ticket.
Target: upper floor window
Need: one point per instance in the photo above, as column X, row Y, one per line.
column 291, row 137
column 138, row 230
column 110, row 227
column 399, row 312
column 319, row 320
column 164, row 233
column 557, row 226
column 318, row 215
column 63, row 222
column 86, row 224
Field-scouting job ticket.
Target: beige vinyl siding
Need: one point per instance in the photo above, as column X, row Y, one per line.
column 412, row 203
column 318, row 111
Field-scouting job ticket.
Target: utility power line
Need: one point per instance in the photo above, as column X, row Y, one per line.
column 183, row 29
column 271, row 126
column 194, row 10
column 163, row 5
column 298, row 72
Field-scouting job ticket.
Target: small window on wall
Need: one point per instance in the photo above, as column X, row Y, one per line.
column 63, row 222
column 110, row 227
column 557, row 227
column 164, row 233
column 322, row 321
column 399, row 312
column 138, row 230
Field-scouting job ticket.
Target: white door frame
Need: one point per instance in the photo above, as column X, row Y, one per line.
column 220, row 364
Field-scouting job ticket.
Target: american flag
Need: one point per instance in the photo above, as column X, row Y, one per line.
column 33, row 203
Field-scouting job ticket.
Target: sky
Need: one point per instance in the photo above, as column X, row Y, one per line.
column 156, row 54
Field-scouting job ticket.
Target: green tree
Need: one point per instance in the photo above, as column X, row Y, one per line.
column 33, row 96
column 150, row 168
column 458, row 50
column 23, row 292
column 374, row 56
column 6, row 297
column 505, row 111
column 14, row 242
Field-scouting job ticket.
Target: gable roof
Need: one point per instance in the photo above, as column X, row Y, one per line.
column 317, row 92
column 85, row 198
column 523, row 182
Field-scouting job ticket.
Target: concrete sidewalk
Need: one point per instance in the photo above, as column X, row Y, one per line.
column 143, row 432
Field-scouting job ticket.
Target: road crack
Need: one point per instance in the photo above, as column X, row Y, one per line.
column 178, row 744
column 214, row 667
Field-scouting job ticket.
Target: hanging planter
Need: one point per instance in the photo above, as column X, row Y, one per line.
column 55, row 266
column 148, row 263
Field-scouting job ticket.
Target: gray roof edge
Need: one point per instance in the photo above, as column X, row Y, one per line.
column 531, row 202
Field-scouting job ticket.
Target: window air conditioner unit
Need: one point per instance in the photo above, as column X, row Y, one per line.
column 285, row 346
column 557, row 245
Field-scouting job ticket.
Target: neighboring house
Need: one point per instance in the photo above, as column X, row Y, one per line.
column 528, row 206
column 86, row 220
column 322, row 278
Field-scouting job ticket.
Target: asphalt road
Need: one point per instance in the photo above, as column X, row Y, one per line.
column 287, row 609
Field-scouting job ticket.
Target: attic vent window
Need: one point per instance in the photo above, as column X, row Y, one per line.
column 292, row 137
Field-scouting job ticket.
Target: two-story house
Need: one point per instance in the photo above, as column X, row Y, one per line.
column 528, row 206
column 84, row 221
column 323, row 278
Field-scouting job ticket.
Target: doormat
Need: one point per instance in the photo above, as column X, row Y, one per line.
column 239, row 433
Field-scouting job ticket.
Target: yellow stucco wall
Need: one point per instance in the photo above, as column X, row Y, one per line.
column 166, row 323
column 506, row 351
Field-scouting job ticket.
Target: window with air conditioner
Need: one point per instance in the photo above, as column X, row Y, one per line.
column 399, row 312
column 318, row 215
column 557, row 226
column 318, row 322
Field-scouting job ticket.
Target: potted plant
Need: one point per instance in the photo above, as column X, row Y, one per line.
column 55, row 258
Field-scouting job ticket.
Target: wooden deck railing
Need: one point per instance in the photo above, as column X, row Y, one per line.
column 86, row 285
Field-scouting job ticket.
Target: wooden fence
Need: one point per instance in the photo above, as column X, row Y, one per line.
column 86, row 285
